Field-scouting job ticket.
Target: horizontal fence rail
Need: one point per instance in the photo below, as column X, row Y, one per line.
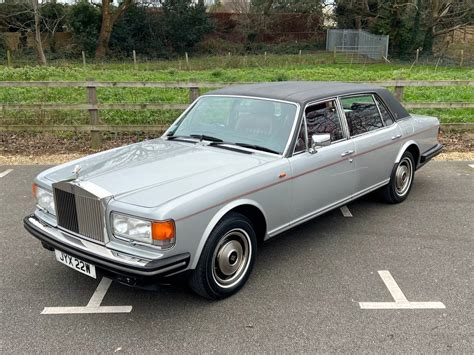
column 184, row 85
column 94, row 107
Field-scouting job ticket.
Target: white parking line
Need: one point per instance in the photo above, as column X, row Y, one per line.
column 345, row 211
column 5, row 173
column 94, row 303
column 471, row 165
column 401, row 301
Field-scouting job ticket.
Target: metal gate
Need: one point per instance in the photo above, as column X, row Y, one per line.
column 357, row 41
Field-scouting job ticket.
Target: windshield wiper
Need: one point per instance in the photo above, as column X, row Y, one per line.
column 257, row 147
column 246, row 145
column 171, row 137
column 202, row 137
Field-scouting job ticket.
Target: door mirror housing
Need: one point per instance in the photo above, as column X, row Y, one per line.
column 318, row 141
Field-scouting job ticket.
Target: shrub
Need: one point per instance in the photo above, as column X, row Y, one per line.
column 84, row 20
column 3, row 47
column 138, row 29
column 185, row 23
column 215, row 46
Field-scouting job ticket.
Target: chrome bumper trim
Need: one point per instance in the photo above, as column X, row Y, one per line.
column 101, row 256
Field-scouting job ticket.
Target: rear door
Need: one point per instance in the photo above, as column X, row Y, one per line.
column 376, row 137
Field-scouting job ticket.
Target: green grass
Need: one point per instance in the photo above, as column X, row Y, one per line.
column 212, row 69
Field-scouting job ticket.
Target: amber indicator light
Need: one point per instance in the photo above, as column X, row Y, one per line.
column 34, row 188
column 163, row 230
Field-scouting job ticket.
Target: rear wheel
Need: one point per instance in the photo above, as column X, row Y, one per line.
column 227, row 258
column 401, row 180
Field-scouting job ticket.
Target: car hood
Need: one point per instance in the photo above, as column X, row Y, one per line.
column 153, row 172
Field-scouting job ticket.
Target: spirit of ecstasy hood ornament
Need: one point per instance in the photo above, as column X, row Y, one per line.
column 76, row 170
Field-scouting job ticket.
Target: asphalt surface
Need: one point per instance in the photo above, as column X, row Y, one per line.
column 303, row 295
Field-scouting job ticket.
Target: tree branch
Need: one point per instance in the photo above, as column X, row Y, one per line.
column 121, row 9
column 447, row 30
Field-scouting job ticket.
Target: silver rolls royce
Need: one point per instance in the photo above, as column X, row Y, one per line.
column 239, row 166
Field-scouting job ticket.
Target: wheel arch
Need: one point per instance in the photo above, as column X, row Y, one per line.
column 413, row 148
column 249, row 208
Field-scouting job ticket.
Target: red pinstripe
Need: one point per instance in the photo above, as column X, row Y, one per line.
column 297, row 176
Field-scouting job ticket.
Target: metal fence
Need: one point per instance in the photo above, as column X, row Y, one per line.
column 357, row 41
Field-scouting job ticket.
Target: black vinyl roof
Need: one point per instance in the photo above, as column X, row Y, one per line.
column 303, row 92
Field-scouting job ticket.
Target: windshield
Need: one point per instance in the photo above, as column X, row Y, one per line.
column 241, row 120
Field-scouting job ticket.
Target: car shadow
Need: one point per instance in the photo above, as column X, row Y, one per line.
column 285, row 251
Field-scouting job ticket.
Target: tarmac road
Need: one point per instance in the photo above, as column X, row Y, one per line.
column 303, row 295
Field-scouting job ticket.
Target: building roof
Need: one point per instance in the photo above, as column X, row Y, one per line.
column 303, row 92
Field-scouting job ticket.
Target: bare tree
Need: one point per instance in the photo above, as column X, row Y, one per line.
column 26, row 18
column 239, row 6
column 52, row 21
column 427, row 19
column 109, row 17
column 443, row 16
column 267, row 7
column 38, row 42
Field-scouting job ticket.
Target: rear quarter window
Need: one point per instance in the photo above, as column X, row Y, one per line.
column 386, row 115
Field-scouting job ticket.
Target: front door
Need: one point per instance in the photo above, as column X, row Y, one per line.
column 326, row 177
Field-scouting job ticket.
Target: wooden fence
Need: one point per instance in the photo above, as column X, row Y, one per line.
column 93, row 106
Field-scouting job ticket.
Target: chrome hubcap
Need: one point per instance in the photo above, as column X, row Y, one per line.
column 403, row 176
column 231, row 258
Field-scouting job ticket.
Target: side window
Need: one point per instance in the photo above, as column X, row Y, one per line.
column 324, row 118
column 362, row 114
column 301, row 139
column 386, row 116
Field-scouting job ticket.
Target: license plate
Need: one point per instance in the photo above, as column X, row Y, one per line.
column 75, row 263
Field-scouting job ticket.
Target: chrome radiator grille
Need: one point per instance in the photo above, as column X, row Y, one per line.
column 78, row 212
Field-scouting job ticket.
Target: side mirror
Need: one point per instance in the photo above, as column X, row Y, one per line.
column 318, row 141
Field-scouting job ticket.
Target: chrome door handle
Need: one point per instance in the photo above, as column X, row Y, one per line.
column 396, row 137
column 349, row 152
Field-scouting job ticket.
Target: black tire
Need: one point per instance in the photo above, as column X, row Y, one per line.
column 227, row 258
column 401, row 180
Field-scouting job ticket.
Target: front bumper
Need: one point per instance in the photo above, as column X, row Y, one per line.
column 128, row 269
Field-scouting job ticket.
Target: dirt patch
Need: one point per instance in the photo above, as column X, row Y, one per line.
column 457, row 141
column 466, row 156
column 52, row 143
column 58, row 147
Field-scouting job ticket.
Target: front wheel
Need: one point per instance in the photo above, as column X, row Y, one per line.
column 401, row 180
column 227, row 258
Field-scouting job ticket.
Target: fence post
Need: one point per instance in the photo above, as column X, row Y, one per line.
column 399, row 91
column 134, row 59
column 186, row 57
column 334, row 55
column 194, row 93
column 96, row 138
column 462, row 58
column 84, row 59
column 9, row 58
